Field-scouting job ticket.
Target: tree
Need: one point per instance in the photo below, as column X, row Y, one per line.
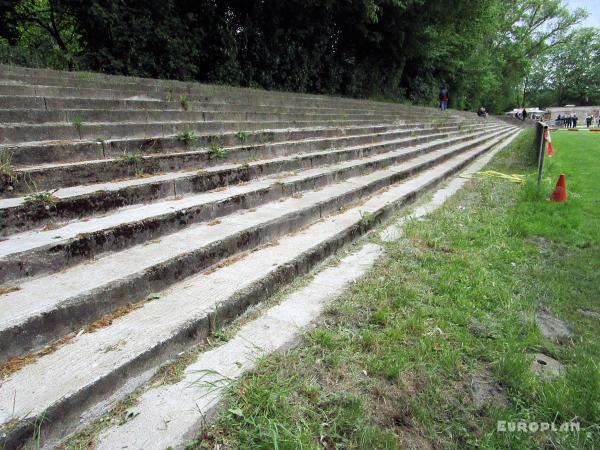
column 386, row 49
column 37, row 24
column 569, row 73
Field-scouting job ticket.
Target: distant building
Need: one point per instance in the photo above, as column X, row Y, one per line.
column 532, row 113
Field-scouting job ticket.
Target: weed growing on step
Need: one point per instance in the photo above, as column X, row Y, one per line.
column 43, row 198
column 217, row 151
column 184, row 101
column 187, row 136
column 242, row 136
column 78, row 123
column 132, row 158
column 169, row 95
column 366, row 218
column 7, row 172
column 84, row 76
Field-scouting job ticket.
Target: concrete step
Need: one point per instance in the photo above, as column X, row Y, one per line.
column 83, row 293
column 30, row 253
column 60, row 175
column 28, row 154
column 57, row 105
column 188, row 403
column 31, row 76
column 19, row 105
column 92, row 368
column 208, row 94
column 71, row 86
column 173, row 90
column 68, row 117
column 169, row 91
column 11, row 134
column 81, row 201
column 17, row 214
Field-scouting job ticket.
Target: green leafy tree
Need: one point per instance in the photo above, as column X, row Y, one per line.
column 569, row 73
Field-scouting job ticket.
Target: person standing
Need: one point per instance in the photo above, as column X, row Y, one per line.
column 575, row 118
column 444, row 96
column 588, row 120
column 524, row 114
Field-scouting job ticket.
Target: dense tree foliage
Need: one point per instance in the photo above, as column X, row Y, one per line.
column 568, row 73
column 387, row 49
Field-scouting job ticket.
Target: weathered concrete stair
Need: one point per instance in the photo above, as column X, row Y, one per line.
column 192, row 243
column 82, row 201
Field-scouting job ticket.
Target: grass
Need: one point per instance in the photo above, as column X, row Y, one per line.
column 7, row 173
column 392, row 362
column 78, row 123
column 217, row 151
column 242, row 136
column 43, row 198
column 184, row 101
column 132, row 158
column 187, row 137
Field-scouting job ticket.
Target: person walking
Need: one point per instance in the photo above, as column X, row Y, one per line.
column 524, row 114
column 588, row 120
column 444, row 96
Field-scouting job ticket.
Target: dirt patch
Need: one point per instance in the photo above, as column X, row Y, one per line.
column 552, row 327
column 8, row 290
column 592, row 314
column 109, row 319
column 486, row 390
column 52, row 226
column 391, row 409
column 539, row 241
column 18, row 362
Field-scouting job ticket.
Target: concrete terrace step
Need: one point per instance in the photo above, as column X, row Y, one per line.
column 85, row 292
column 21, row 104
column 175, row 89
column 123, row 244
column 107, row 364
column 60, row 175
column 27, row 154
column 191, row 91
column 228, row 95
column 82, row 201
column 58, row 105
column 27, row 117
column 35, row 252
column 11, row 134
column 188, row 403
column 37, row 84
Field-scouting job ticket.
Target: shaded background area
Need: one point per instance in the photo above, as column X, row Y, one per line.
column 397, row 50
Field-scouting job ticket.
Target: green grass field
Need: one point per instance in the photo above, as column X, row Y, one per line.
column 392, row 364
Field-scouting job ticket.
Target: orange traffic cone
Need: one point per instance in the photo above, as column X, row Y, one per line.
column 549, row 141
column 560, row 191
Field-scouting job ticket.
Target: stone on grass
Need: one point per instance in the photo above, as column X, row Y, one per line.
column 552, row 327
column 545, row 366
